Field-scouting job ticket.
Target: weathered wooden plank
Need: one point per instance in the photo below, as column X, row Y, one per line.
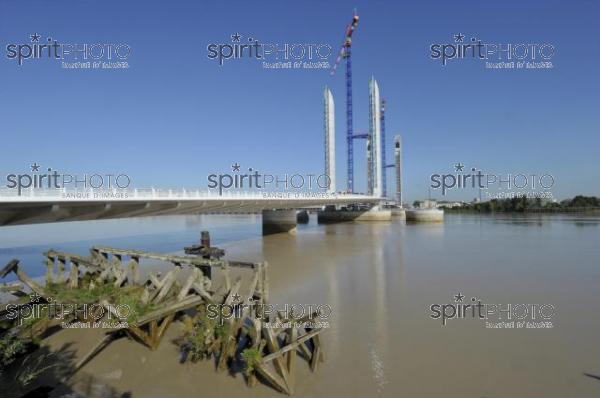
column 202, row 292
column 226, row 275
column 134, row 270
column 296, row 344
column 170, row 308
column 116, row 262
column 291, row 357
column 256, row 333
column 265, row 284
column 159, row 283
column 136, row 331
column 61, row 270
column 187, row 260
column 74, row 275
column 194, row 276
column 259, row 285
column 230, row 344
column 12, row 288
column 168, row 281
column 314, row 361
column 306, row 353
column 94, row 351
column 49, row 269
column 273, row 379
column 153, row 334
column 13, row 266
column 252, row 288
column 145, row 296
column 121, row 276
column 164, row 325
column 155, row 281
column 273, row 347
column 234, row 291
column 321, row 355
column 88, row 262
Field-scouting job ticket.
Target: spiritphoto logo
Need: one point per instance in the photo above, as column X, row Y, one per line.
column 70, row 55
column 273, row 315
column 253, row 180
column 495, row 316
column 49, row 178
column 95, row 315
column 495, row 55
column 517, row 184
column 271, row 55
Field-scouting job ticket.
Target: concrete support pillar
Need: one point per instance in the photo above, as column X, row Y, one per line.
column 277, row 221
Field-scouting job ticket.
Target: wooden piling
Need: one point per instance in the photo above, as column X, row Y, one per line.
column 291, row 356
column 265, row 284
column 273, row 346
column 134, row 270
column 49, row 269
column 61, row 270
column 74, row 275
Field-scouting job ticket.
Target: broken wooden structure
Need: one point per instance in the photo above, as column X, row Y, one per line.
column 164, row 298
column 279, row 348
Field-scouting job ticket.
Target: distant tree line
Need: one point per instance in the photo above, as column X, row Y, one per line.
column 523, row 204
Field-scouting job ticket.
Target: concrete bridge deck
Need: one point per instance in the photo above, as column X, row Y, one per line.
column 43, row 206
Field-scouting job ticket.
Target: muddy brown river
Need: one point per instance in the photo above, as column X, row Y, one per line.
column 381, row 281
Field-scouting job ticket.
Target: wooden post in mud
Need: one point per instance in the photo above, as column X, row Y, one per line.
column 231, row 299
column 134, row 269
column 117, row 261
column 74, row 275
column 95, row 255
column 259, row 285
column 316, row 357
column 262, row 286
column 226, row 275
column 205, row 241
column 49, row 269
column 61, row 270
column 265, row 284
column 273, row 346
column 292, row 335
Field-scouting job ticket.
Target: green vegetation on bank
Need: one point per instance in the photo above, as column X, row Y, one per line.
column 202, row 335
column 117, row 295
column 12, row 346
column 522, row 205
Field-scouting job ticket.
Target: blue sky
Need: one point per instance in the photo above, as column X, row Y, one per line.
column 175, row 116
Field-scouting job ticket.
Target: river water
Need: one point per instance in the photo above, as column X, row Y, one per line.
column 381, row 280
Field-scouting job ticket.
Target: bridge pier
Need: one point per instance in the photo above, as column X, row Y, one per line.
column 334, row 216
column 277, row 221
